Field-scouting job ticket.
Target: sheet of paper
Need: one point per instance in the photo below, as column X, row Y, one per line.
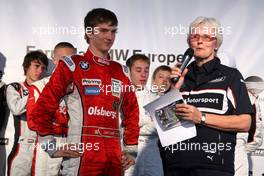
column 169, row 127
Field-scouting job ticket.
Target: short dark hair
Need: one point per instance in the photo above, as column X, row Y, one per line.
column 64, row 45
column 136, row 57
column 99, row 16
column 160, row 68
column 34, row 56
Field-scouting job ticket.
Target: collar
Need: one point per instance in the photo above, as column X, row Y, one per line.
column 98, row 60
column 26, row 84
column 207, row 67
column 198, row 75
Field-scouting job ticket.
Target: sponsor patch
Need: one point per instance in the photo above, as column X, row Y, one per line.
column 69, row 62
column 91, row 90
column 205, row 100
column 116, row 87
column 91, row 82
column 25, row 92
column 125, row 70
column 220, row 79
column 84, row 65
column 101, row 111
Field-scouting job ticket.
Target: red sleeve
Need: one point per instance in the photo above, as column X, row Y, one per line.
column 49, row 99
column 30, row 106
column 131, row 118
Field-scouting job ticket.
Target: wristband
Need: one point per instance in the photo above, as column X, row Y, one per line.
column 203, row 118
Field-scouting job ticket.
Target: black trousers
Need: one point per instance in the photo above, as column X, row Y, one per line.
column 174, row 171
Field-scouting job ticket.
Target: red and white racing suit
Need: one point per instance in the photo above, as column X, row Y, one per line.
column 248, row 142
column 99, row 94
column 148, row 161
column 42, row 163
column 20, row 158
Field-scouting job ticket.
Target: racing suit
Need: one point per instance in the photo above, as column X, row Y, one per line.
column 20, row 158
column 256, row 158
column 3, row 123
column 42, row 163
column 99, row 93
column 248, row 142
column 148, row 161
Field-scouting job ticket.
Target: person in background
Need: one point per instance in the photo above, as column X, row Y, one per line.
column 148, row 161
column 246, row 142
column 20, row 158
column 255, row 86
column 3, row 116
column 42, row 164
column 249, row 142
column 217, row 103
column 161, row 79
column 161, row 84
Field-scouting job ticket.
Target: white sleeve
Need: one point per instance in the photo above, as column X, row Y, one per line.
column 15, row 102
column 257, row 137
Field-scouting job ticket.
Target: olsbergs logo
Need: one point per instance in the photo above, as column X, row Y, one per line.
column 100, row 111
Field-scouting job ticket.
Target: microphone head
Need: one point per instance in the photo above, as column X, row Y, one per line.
column 189, row 52
column 186, row 59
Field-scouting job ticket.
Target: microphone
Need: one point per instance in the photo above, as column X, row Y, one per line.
column 186, row 59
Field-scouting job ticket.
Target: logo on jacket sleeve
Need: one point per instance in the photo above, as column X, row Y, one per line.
column 84, row 65
column 125, row 70
column 69, row 62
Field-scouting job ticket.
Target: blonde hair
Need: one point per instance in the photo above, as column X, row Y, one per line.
column 208, row 22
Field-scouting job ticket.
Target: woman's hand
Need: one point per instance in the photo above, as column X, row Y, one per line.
column 176, row 72
column 189, row 112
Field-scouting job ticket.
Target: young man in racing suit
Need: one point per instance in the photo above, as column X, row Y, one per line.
column 20, row 158
column 42, row 164
column 148, row 161
column 100, row 91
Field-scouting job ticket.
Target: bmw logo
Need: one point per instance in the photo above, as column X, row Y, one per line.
column 84, row 65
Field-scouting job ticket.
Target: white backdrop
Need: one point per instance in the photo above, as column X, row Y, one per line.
column 155, row 27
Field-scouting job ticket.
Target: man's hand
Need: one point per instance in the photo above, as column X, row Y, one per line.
column 68, row 150
column 127, row 160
